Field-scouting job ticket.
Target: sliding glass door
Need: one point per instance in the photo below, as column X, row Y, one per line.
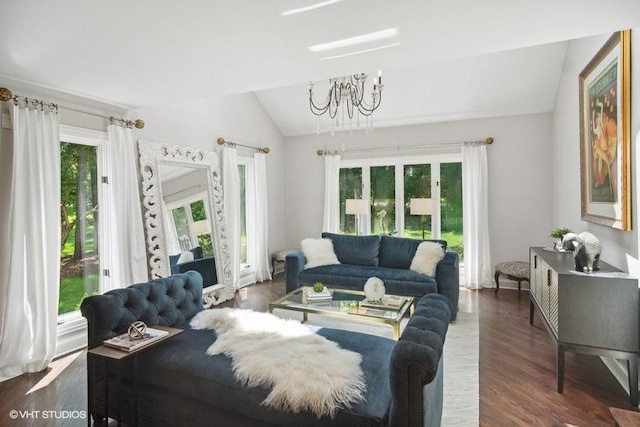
column 389, row 185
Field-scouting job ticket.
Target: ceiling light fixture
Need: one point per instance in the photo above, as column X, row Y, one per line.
column 351, row 41
column 309, row 8
column 346, row 94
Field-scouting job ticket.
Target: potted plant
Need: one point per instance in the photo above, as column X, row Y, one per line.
column 558, row 234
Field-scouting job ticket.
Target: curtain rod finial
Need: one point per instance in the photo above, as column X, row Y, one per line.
column 320, row 152
column 489, row 141
column 221, row 141
column 5, row 94
column 266, row 150
column 139, row 124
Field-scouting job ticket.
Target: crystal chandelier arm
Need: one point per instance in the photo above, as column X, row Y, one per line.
column 367, row 110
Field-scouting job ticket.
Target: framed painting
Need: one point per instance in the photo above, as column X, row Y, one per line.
column 605, row 134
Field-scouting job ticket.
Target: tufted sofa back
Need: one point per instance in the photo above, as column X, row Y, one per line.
column 169, row 301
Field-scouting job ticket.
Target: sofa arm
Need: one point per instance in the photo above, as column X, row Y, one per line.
column 448, row 279
column 294, row 264
column 416, row 371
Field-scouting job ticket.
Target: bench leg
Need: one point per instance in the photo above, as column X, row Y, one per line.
column 497, row 282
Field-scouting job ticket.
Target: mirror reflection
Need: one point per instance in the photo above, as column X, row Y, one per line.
column 184, row 216
column 185, row 206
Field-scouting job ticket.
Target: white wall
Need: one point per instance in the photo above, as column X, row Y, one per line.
column 519, row 176
column 238, row 118
column 620, row 248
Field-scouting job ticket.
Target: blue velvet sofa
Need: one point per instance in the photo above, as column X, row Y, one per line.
column 205, row 266
column 386, row 257
column 178, row 384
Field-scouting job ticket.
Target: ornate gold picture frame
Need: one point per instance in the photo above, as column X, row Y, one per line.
column 605, row 134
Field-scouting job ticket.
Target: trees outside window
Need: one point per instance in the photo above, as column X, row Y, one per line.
column 79, row 219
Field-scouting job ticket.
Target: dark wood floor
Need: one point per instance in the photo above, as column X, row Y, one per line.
column 517, row 372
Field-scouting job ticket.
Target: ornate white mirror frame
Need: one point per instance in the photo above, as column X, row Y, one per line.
column 154, row 154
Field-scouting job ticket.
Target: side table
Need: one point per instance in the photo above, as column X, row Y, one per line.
column 110, row 354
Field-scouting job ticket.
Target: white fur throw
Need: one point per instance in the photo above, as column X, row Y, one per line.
column 319, row 252
column 306, row 372
column 427, row 257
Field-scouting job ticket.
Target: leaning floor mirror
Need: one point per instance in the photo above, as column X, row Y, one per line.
column 184, row 216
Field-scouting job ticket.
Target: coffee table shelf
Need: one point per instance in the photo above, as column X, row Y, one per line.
column 345, row 304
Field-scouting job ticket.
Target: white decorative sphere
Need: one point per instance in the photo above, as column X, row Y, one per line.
column 374, row 289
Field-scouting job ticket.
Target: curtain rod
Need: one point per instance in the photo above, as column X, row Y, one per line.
column 487, row 141
column 6, row 95
column 221, row 141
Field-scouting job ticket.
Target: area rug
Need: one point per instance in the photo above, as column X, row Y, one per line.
column 461, row 361
column 322, row 379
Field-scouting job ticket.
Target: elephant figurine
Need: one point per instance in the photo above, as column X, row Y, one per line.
column 586, row 250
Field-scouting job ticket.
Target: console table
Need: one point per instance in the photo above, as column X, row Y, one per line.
column 593, row 313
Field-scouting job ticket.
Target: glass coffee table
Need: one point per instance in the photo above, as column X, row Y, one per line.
column 348, row 304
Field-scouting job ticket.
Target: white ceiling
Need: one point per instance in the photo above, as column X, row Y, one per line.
column 455, row 59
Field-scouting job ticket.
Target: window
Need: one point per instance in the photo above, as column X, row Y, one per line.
column 80, row 207
column 248, row 216
column 83, row 216
column 390, row 184
column 242, row 171
column 417, row 185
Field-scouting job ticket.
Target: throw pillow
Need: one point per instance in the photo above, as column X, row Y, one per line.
column 185, row 256
column 426, row 258
column 319, row 252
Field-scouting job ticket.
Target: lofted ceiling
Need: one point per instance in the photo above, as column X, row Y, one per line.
column 448, row 60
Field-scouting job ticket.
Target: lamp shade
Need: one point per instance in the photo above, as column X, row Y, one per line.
column 422, row 206
column 200, row 227
column 357, row 206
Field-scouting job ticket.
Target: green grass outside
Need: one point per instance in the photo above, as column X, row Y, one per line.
column 73, row 291
column 453, row 238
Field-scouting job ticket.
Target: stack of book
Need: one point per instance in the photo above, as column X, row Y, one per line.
column 313, row 296
column 126, row 343
column 389, row 302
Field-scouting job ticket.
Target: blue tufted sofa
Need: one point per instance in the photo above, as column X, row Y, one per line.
column 178, row 384
column 386, row 257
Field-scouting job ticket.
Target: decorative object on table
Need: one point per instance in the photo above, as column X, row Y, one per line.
column 586, row 250
column 388, row 302
column 138, row 335
column 605, row 134
column 137, row 330
column 374, row 290
column 422, row 207
column 557, row 235
column 318, row 292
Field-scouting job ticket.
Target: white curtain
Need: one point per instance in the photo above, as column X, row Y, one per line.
column 475, row 199
column 126, row 243
column 231, row 190
column 331, row 220
column 263, row 267
column 30, row 294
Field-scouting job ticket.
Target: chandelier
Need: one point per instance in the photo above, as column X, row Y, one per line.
column 346, row 95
